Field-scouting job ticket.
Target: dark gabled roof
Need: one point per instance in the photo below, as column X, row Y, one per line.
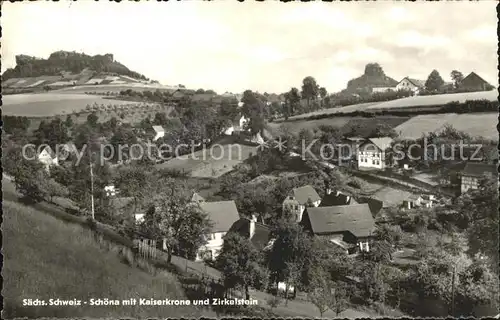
column 356, row 219
column 261, row 236
column 222, row 213
column 479, row 169
column 303, row 194
column 375, row 205
column 471, row 76
column 333, row 199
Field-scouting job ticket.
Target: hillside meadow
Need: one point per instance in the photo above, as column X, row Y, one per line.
column 45, row 258
column 115, row 88
column 475, row 124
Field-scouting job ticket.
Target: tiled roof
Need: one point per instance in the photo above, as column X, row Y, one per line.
column 479, row 169
column 222, row 213
column 303, row 194
column 416, row 82
column 261, row 236
column 356, row 219
column 333, row 199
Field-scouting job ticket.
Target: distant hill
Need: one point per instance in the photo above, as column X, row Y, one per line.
column 64, row 62
column 374, row 77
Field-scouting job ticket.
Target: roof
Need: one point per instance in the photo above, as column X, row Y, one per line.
column 415, row 82
column 473, row 75
column 261, row 236
column 375, row 205
column 414, row 197
column 356, row 219
column 158, row 129
column 49, row 150
column 196, row 197
column 303, row 194
column 333, row 199
column 203, row 96
column 479, row 169
column 382, row 143
column 222, row 213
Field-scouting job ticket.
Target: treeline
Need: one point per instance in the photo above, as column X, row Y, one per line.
column 469, row 106
column 61, row 61
column 343, row 99
column 13, row 123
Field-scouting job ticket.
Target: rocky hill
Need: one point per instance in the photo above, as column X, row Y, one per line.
column 373, row 77
column 64, row 62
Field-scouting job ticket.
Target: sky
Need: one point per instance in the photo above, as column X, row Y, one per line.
column 268, row 47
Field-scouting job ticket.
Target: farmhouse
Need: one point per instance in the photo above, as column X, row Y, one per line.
column 350, row 147
column 336, row 198
column 474, row 82
column 296, row 202
column 409, row 84
column 383, row 89
column 351, row 226
column 413, row 201
column 473, row 173
column 372, row 153
column 48, row 157
column 237, row 125
column 256, row 232
column 223, row 214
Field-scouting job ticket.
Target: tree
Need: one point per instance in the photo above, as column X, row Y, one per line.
column 292, row 98
column 69, row 122
column 457, row 78
column 54, row 189
column 310, row 90
column 340, row 297
column 92, row 119
column 254, row 108
column 240, row 264
column 174, row 219
column 323, row 93
column 29, row 178
column 434, row 81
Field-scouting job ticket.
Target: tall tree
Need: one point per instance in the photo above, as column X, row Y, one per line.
column 457, row 78
column 310, row 90
column 323, row 93
column 174, row 219
column 254, row 108
column 434, row 81
column 241, row 264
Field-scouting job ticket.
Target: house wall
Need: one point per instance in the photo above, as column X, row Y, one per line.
column 383, row 89
column 405, row 84
column 364, row 244
column 469, row 182
column 371, row 158
column 294, row 207
column 214, row 244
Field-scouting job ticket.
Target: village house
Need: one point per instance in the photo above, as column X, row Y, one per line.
column 237, row 125
column 250, row 228
column 48, row 158
column 222, row 214
column 350, row 148
column 372, row 153
column 409, row 84
column 350, row 227
column 297, row 200
column 474, row 82
column 159, row 132
column 336, row 198
column 473, row 173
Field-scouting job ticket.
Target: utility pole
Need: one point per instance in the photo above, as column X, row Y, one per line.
column 92, row 189
column 453, row 291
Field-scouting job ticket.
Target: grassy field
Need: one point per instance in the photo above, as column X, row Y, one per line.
column 346, row 109
column 439, row 99
column 115, row 88
column 49, row 104
column 213, row 161
column 366, row 125
column 477, row 124
column 45, row 258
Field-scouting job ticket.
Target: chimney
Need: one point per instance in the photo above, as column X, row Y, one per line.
column 328, row 191
column 348, row 199
column 252, row 225
column 337, row 193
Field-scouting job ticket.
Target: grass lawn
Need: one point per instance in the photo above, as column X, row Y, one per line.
column 476, row 124
column 45, row 258
column 211, row 162
column 439, row 99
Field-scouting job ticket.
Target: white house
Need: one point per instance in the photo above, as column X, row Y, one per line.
column 48, row 157
column 409, row 84
column 297, row 200
column 222, row 214
column 372, row 153
column 237, row 125
column 110, row 191
column 473, row 173
column 159, row 132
